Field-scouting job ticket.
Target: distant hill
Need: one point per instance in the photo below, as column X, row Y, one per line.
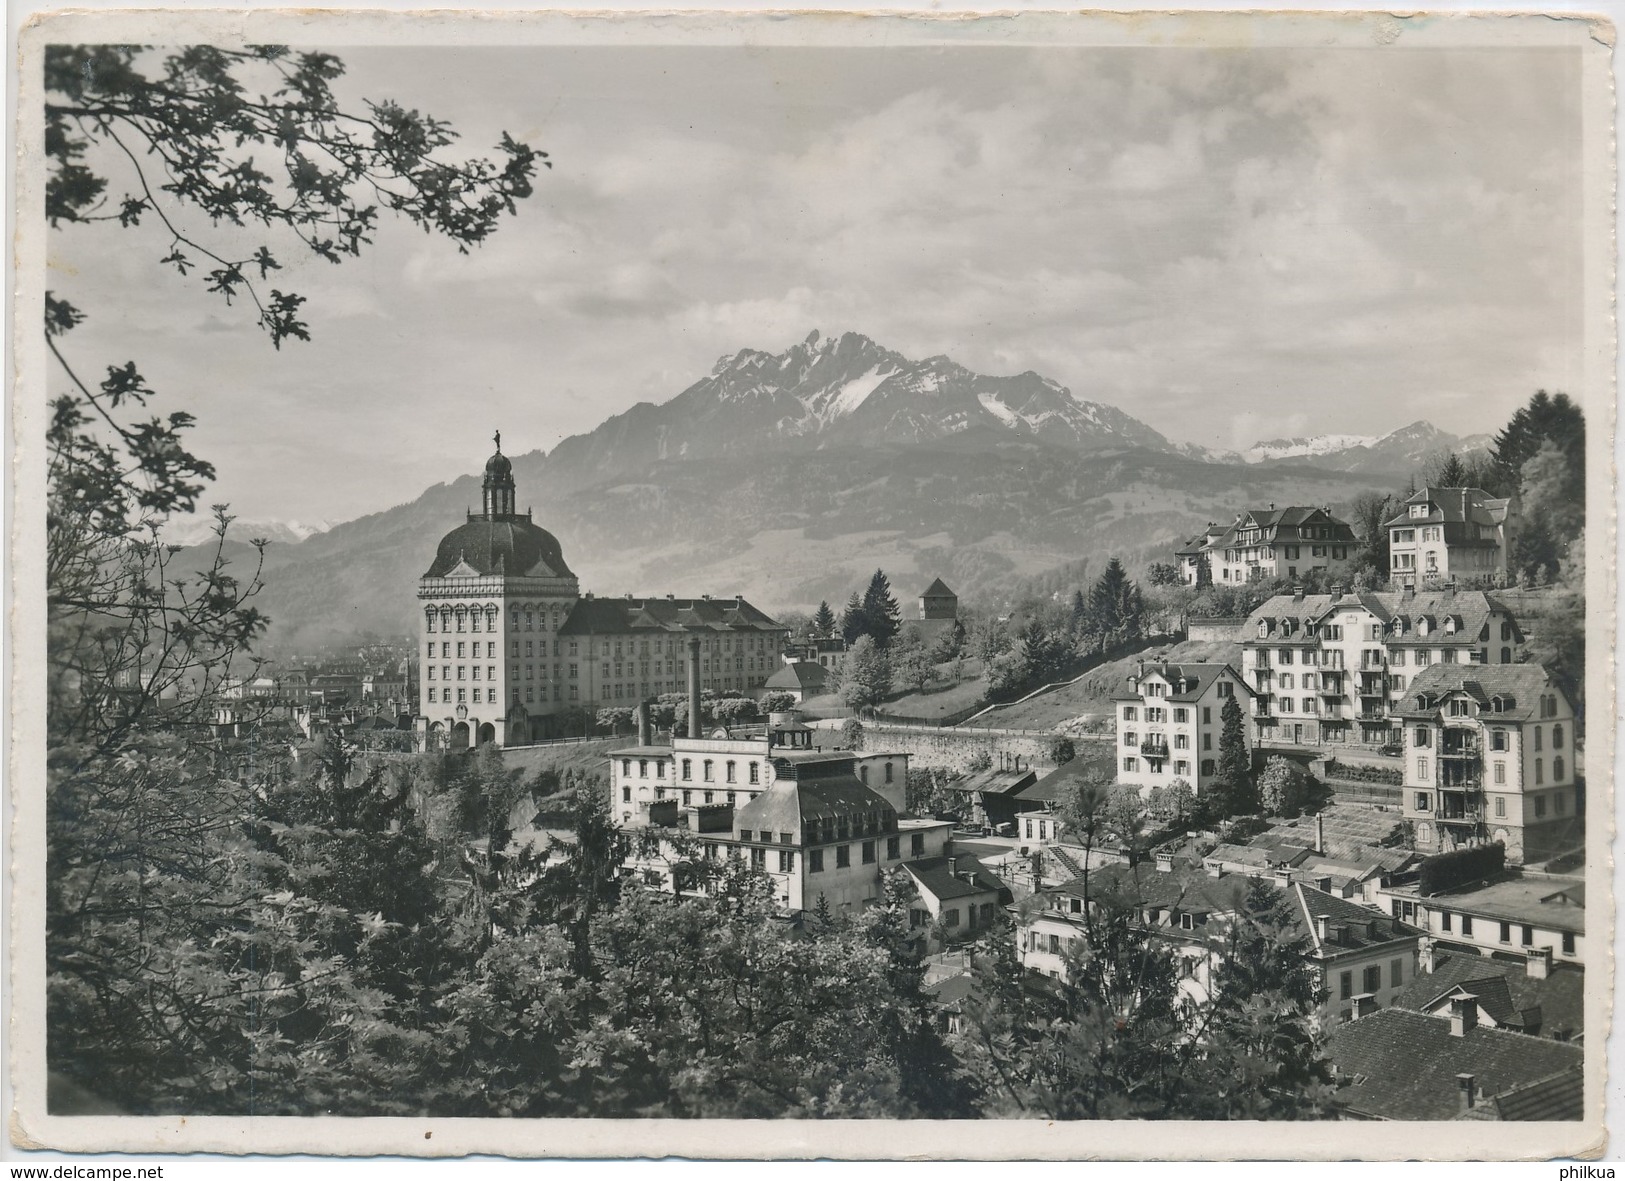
column 790, row 477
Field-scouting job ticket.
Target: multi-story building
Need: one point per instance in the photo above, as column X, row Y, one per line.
column 1269, row 543
column 1332, row 669
column 1463, row 534
column 1362, row 957
column 509, row 642
column 1169, row 721
column 1197, row 552
column 1511, row 914
column 823, row 839
column 1490, row 756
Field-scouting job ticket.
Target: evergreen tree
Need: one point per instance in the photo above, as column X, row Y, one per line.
column 1547, row 416
column 823, row 622
column 1232, row 787
column 880, row 613
column 854, row 621
column 1115, row 610
column 868, row 674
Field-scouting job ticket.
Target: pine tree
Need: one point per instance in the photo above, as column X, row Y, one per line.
column 823, row 623
column 1232, row 786
column 880, row 610
column 854, row 622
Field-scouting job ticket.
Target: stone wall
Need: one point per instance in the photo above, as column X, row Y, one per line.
column 955, row 748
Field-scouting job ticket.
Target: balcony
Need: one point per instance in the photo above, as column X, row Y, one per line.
column 1370, row 714
column 1155, row 746
column 1456, row 778
column 1461, row 745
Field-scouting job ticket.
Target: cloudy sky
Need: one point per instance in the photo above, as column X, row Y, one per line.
column 1228, row 244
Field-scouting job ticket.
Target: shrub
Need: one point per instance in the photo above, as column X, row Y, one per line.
column 1445, row 871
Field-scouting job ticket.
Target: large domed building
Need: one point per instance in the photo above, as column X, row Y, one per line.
column 512, row 650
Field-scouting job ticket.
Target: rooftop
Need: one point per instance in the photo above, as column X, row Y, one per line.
column 1401, row 1064
column 596, row 616
column 1517, row 686
column 1554, row 902
column 955, row 876
column 1545, row 1006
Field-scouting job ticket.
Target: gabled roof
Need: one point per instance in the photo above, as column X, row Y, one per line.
column 937, row 590
column 1190, row 681
column 805, row 675
column 1453, row 506
column 1401, row 1064
column 1557, row 1098
column 1519, row 687
column 595, row 616
column 1362, row 926
column 934, row 876
column 993, row 781
column 1053, row 786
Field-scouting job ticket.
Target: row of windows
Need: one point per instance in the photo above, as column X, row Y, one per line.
column 1154, row 766
column 1157, row 713
column 1423, row 735
column 462, row 645
column 1424, row 768
column 473, row 672
column 488, row 696
column 1181, row 741
column 1371, row 979
column 1526, row 933
column 1560, row 802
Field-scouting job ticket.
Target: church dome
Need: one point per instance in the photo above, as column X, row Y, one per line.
column 512, row 546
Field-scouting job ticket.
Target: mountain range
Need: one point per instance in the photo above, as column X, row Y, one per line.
column 789, row 477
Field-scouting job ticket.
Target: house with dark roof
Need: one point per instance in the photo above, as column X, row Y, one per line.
column 992, row 797
column 1400, row 1064
column 811, row 824
column 957, row 899
column 1508, row 915
column 1445, row 534
column 939, row 609
column 1537, row 997
column 1331, row 669
column 1168, row 723
column 801, row 680
column 1490, row 755
column 1362, row 956
column 1269, row 543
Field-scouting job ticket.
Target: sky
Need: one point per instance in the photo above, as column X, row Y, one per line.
column 1231, row 245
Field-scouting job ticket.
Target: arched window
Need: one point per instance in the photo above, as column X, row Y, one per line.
column 1495, row 704
column 1557, row 769
column 474, row 620
column 1557, row 736
column 1263, row 628
column 445, row 619
column 428, row 617
column 731, row 775
column 462, row 616
column 1540, row 770
column 490, row 617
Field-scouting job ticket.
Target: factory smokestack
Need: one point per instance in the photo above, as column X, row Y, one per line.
column 694, row 687
column 646, row 735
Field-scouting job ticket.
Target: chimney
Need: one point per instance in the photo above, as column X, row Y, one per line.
column 1320, row 834
column 1424, row 954
column 1337, row 591
column 1215, row 870
column 1272, row 506
column 1323, row 927
column 1165, row 862
column 1364, row 1005
column 1539, row 963
column 1467, row 1088
column 694, row 686
column 645, row 726
column 953, row 866
column 1297, row 594
column 1463, row 1014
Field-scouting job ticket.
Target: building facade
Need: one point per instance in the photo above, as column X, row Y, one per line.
column 1441, row 534
column 1169, row 722
column 1332, row 669
column 1269, row 543
column 509, row 643
column 1490, row 756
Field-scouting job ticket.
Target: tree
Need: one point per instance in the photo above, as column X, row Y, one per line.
column 823, row 623
column 868, row 676
column 1368, row 513
column 1162, row 574
column 1546, row 417
column 989, row 640
column 1281, row 787
column 1232, row 786
column 145, row 139
column 854, row 621
column 778, row 702
column 910, row 661
column 852, row 734
column 1551, row 519
column 880, row 613
column 1062, row 751
column 1114, row 606
column 1445, row 471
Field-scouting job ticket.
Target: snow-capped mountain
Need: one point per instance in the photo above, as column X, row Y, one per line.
column 199, row 528
column 845, row 391
column 1404, row 450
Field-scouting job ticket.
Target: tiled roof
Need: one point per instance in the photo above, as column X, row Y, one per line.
column 1453, row 508
column 1561, row 1097
column 1053, row 786
column 803, row 675
column 1286, row 525
column 597, row 616
column 1397, row 610
column 1545, row 1007
column 1519, row 687
column 933, row 875
column 1400, row 1064
column 993, row 781
column 1196, row 679
column 788, row 805
column 1362, row 926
